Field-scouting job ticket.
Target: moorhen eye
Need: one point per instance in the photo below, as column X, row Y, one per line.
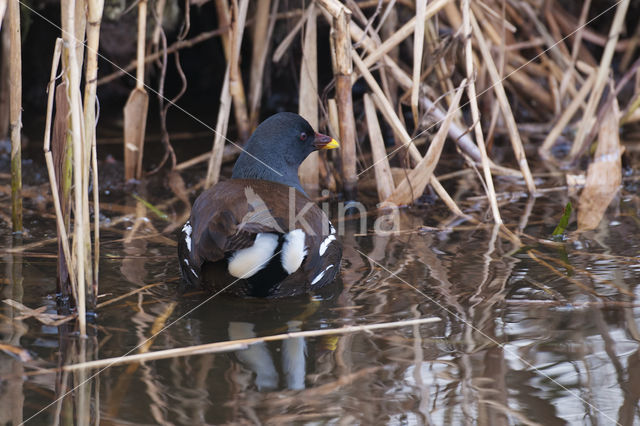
column 303, row 136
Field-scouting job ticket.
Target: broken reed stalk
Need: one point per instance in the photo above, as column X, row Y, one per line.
column 62, row 152
column 53, row 179
column 418, row 46
column 215, row 160
column 384, row 178
column 137, row 107
column 341, row 38
column 588, row 118
column 308, row 99
column 15, row 114
column 94, row 16
column 73, row 76
column 233, row 345
column 475, row 112
column 604, row 174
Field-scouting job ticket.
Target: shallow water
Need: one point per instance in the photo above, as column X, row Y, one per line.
column 538, row 333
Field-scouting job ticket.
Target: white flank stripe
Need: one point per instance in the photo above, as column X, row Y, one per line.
column 320, row 275
column 325, row 244
column 187, row 234
column 246, row 262
column 293, row 250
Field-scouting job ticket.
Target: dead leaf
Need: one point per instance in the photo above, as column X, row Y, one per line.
column 604, row 174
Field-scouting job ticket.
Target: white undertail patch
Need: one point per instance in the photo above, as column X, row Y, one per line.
column 248, row 261
column 320, row 275
column 325, row 244
column 293, row 250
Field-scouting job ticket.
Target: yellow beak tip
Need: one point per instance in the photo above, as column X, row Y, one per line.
column 332, row 145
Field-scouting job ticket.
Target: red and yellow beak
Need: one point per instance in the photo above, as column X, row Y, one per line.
column 325, row 142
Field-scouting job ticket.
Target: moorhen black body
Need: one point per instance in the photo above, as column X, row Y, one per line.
column 258, row 234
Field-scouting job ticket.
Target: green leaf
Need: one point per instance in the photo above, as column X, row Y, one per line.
column 564, row 221
column 151, row 207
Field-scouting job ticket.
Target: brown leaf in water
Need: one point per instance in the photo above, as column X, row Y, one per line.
column 604, row 174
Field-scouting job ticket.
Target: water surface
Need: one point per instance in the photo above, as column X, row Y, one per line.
column 537, row 333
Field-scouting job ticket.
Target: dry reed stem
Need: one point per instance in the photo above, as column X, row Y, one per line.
column 262, row 32
column 60, row 221
column 94, row 16
column 415, row 183
column 137, row 106
column 529, row 87
column 230, row 153
column 224, row 21
column 332, row 108
column 15, row 114
column 443, row 73
column 588, row 118
column 159, row 16
column 565, row 118
column 406, row 139
column 76, row 137
column 308, row 98
column 78, row 31
column 286, row 42
column 130, row 293
column 384, row 178
column 575, row 50
column 344, row 100
column 241, row 344
column 228, row 18
column 387, row 110
column 498, row 88
column 142, row 35
column 418, row 47
column 475, row 112
column 402, row 33
column 631, row 48
column 5, row 102
column 459, row 135
column 554, row 49
column 236, row 86
column 215, row 161
column 383, row 49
